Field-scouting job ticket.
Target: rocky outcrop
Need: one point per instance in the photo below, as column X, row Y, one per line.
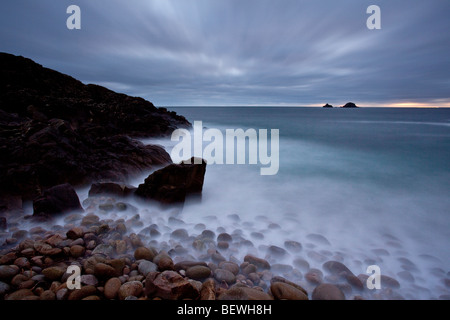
column 350, row 105
column 172, row 183
column 55, row 130
column 58, row 199
column 327, row 106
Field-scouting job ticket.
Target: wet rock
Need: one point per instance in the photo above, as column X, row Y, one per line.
column 243, row 293
column 336, row 268
column 46, row 249
column 198, row 272
column 4, row 288
column 301, row 263
column 326, row 291
column 316, row 256
column 248, row 268
column 112, row 287
column 8, row 258
column 261, row 264
column 224, row 237
column 132, row 288
column 281, row 268
column 28, row 253
column 145, row 267
column 3, row 224
column 77, row 251
column 82, row 293
column 230, row 266
column 169, row 285
column 381, row 252
column 172, row 183
column 48, row 295
column 89, row 220
column 102, row 271
column 55, row 240
column 276, row 251
column 121, row 228
column 110, row 188
column 75, row 233
column 179, row 234
column 257, row 235
column 223, row 245
column 164, row 262
column 121, row 246
column 184, row 265
column 172, row 221
column 200, row 227
column 8, row 271
column 55, row 200
column 54, row 273
column 355, row 282
column 318, row 239
column 274, row 226
column 292, row 284
column 18, row 280
column 20, row 294
column 22, row 262
column 225, row 276
column 62, row 294
column 19, row 234
column 314, row 276
column 104, row 249
column 406, row 275
column 284, row 291
column 208, row 290
column 88, row 279
column 144, row 253
column 389, row 282
column 208, row 234
column 293, row 246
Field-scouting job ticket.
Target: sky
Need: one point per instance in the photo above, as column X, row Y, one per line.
column 243, row 52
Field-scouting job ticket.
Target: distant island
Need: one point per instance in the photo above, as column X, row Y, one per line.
column 347, row 105
column 350, row 105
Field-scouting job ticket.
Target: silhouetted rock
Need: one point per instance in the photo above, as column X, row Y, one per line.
column 350, row 105
column 328, row 106
column 58, row 199
column 172, row 183
column 110, row 188
column 55, row 130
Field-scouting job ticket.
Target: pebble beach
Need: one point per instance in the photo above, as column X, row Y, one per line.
column 129, row 251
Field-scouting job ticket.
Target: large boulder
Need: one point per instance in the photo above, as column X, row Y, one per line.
column 327, row 291
column 172, row 183
column 169, row 285
column 58, row 199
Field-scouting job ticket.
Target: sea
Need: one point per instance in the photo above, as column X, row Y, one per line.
column 373, row 182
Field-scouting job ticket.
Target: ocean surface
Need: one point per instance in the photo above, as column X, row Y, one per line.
column 364, row 187
column 374, row 182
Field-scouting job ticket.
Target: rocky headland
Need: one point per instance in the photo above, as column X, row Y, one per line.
column 55, row 129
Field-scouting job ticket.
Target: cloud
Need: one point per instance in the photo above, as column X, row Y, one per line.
column 228, row 52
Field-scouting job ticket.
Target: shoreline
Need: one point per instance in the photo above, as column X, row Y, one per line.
column 104, row 245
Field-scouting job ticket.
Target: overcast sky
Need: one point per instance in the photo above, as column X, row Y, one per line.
column 242, row 52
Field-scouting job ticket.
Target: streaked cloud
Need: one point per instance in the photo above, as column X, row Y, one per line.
column 255, row 52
